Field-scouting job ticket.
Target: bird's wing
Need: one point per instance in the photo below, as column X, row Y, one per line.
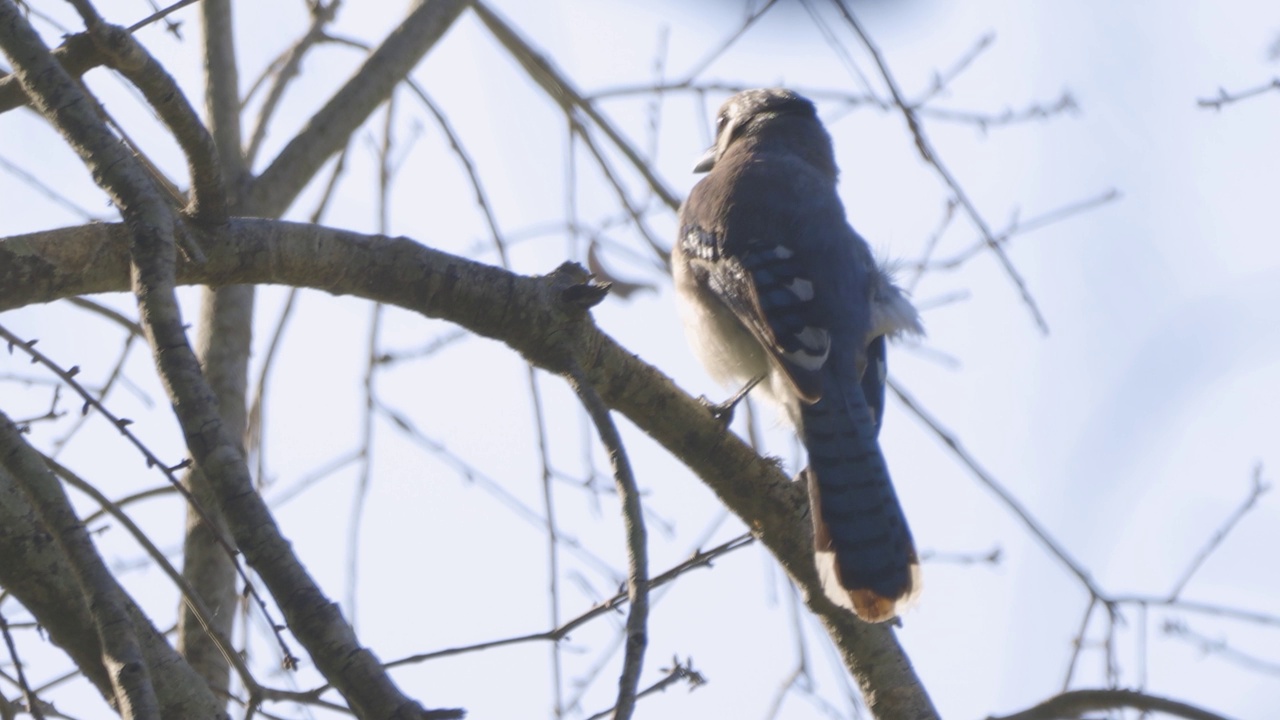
column 769, row 293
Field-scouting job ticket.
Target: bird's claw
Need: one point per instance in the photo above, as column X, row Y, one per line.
column 723, row 411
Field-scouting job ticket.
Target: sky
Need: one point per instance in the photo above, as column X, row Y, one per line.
column 1131, row 430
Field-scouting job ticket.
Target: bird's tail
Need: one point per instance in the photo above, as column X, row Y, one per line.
column 863, row 546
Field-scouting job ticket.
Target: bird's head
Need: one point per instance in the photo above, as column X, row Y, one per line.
column 753, row 114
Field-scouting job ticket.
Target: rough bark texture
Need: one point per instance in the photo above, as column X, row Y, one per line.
column 226, row 319
column 40, row 577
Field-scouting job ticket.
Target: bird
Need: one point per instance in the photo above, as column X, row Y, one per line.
column 775, row 287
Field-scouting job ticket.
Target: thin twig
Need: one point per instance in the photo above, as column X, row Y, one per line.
column 931, row 156
column 104, row 599
column 637, row 544
column 1200, row 608
column 1224, row 98
column 942, row 80
column 1255, row 492
column 1078, row 702
column 637, row 216
column 55, row 195
column 1219, row 647
column 931, row 244
column 256, row 432
column 677, row 672
column 553, row 536
column 365, row 478
column 472, row 474
column 607, row 607
column 1064, row 105
column 558, row 87
column 190, row 597
column 33, row 703
column 111, row 314
column 285, row 69
column 842, row 53
column 153, row 461
column 1019, row 226
column 482, row 197
column 160, row 15
column 715, row 53
column 117, row 372
column 1000, row 491
column 280, row 498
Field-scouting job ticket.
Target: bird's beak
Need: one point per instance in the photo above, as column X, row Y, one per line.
column 707, row 161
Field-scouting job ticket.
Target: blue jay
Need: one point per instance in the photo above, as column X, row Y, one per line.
column 776, row 287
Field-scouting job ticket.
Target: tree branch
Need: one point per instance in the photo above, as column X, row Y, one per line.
column 314, row 620
column 133, row 695
column 562, row 91
column 1076, row 703
column 38, row 574
column 331, row 128
column 526, row 313
column 637, row 544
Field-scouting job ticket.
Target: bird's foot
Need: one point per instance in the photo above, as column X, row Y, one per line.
column 723, row 411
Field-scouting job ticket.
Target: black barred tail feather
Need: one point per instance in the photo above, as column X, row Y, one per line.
column 864, row 550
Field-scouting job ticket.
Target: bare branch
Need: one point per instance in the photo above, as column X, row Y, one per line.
column 1018, row 226
column 495, row 488
column 1219, row 647
column 1076, row 703
column 194, row 602
column 521, row 312
column 314, row 620
column 1064, row 105
column 674, row 674
column 286, row 69
column 729, row 40
column 222, row 101
column 33, row 703
column 942, row 80
column 931, row 156
column 226, row 319
column 1201, row 608
column 153, row 461
column 1255, row 492
column 562, row 91
column 1000, row 491
column 160, row 14
column 1225, row 98
column 128, row 57
column 455, row 143
column 331, row 128
column 607, row 607
column 134, row 695
column 637, row 544
column 553, row 535
column 49, row 191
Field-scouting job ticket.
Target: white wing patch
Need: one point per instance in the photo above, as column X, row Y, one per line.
column 816, row 344
column 802, row 289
